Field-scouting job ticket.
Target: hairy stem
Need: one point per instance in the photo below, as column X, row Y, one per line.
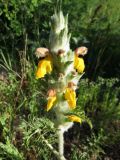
column 61, row 144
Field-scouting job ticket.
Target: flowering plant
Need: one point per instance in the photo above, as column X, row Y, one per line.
column 62, row 68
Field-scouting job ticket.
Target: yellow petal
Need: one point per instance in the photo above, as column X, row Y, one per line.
column 79, row 64
column 40, row 73
column 50, row 103
column 44, row 67
column 70, row 96
column 74, row 118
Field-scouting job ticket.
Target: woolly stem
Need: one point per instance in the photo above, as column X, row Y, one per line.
column 61, row 144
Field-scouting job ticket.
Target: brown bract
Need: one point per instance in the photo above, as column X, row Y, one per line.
column 74, row 73
column 71, row 85
column 61, row 75
column 61, row 52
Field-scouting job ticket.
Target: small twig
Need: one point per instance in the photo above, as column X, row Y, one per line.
column 49, row 145
column 19, row 89
column 60, row 157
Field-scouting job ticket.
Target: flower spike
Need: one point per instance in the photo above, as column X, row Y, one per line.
column 68, row 68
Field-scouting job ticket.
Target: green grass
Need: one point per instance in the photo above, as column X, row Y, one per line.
column 25, row 125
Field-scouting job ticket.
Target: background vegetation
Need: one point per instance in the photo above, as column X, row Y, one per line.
column 24, row 26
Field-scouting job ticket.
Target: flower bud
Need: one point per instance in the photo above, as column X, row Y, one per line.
column 41, row 52
column 61, row 52
column 61, row 76
column 81, row 51
column 51, row 93
column 71, row 85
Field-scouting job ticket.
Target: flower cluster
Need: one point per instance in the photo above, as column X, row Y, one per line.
column 64, row 68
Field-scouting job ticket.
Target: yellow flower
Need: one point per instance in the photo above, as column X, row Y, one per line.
column 79, row 64
column 44, row 67
column 74, row 118
column 51, row 101
column 70, row 96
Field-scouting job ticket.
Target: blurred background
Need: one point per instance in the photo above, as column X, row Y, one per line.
column 93, row 23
